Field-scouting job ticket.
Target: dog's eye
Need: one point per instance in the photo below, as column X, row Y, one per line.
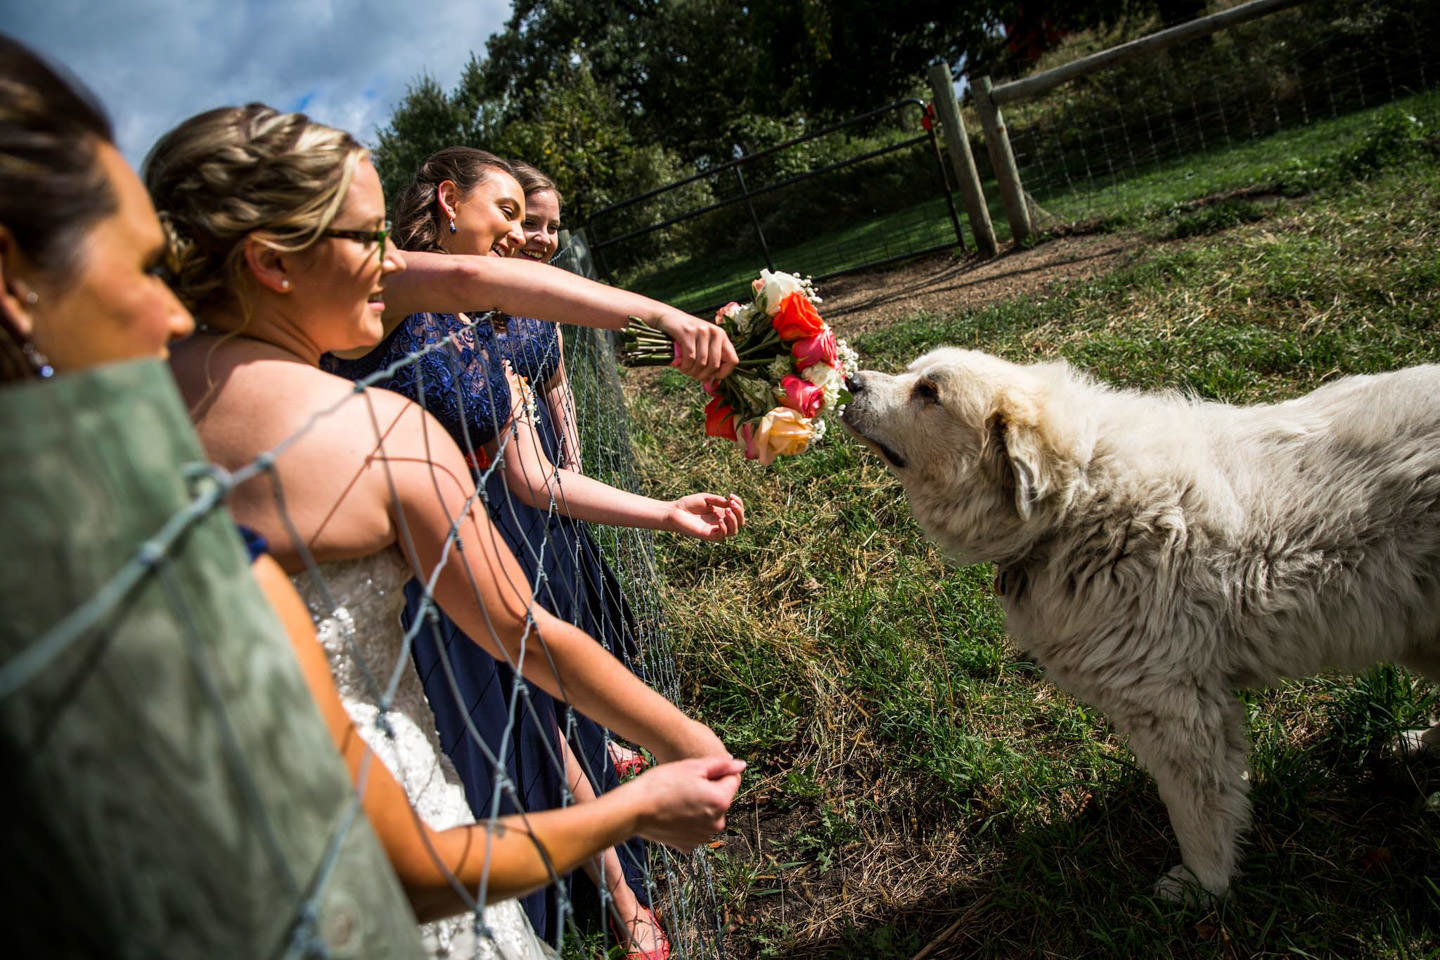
column 925, row 392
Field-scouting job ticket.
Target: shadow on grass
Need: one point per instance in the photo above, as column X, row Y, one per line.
column 1340, row 863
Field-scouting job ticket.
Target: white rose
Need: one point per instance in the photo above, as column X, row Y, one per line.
column 828, row 379
column 771, row 288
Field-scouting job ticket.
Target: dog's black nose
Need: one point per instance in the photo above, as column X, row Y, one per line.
column 854, row 382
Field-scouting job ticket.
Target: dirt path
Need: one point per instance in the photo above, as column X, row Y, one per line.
column 860, row 302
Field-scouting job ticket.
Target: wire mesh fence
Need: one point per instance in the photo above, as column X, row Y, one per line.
column 1216, row 115
column 303, row 874
column 863, row 192
column 683, row 883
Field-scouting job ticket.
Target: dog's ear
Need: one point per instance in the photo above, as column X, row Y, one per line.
column 1016, row 451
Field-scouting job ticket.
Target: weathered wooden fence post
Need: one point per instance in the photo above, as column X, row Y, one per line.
column 1002, row 158
column 942, row 89
column 990, row 98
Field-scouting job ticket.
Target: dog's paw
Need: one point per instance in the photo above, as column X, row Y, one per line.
column 1180, row 886
column 1413, row 744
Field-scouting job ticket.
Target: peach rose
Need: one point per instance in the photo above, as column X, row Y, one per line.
column 782, row 432
column 728, row 312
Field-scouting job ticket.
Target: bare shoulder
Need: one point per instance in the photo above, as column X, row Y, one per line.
column 324, row 438
column 247, row 398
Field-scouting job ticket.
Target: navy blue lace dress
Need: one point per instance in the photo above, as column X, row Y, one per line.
column 464, row 386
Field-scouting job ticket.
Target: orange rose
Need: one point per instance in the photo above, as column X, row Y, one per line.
column 782, row 432
column 797, row 318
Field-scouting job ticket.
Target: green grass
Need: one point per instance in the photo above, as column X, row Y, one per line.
column 1290, row 162
column 910, row 767
column 693, row 284
column 1190, row 196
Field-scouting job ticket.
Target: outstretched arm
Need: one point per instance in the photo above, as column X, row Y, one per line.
column 531, row 476
column 682, row 806
column 482, row 588
column 455, row 282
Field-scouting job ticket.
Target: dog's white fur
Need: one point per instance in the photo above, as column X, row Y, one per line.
column 1156, row 552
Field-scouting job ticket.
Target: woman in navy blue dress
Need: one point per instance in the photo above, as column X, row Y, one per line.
column 496, row 389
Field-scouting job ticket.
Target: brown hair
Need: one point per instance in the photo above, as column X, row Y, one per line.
column 418, row 221
column 53, row 188
column 233, row 172
column 533, row 181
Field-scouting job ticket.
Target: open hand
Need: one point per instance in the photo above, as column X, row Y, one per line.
column 702, row 349
column 707, row 516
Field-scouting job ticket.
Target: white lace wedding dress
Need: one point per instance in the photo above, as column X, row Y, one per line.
column 368, row 595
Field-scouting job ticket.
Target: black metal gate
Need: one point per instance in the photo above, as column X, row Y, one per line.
column 791, row 207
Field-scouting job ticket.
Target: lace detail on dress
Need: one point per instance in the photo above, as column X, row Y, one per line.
column 364, row 642
column 532, row 347
column 460, row 383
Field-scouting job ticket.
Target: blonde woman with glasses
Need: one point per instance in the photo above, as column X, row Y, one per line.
column 282, row 253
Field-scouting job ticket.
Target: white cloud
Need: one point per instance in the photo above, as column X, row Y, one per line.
column 345, row 62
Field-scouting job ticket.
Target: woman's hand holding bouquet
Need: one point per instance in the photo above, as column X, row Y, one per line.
column 791, row 368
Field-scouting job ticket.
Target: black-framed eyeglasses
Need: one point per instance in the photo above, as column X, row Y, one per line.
column 363, row 236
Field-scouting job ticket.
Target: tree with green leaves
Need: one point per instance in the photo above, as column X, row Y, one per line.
column 613, row 97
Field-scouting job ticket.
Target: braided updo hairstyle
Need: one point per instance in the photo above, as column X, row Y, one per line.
column 418, row 220
column 233, row 172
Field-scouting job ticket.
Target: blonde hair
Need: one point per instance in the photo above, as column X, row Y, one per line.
column 235, row 172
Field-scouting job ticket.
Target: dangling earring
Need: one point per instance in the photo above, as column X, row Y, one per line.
column 37, row 361
column 14, row 341
column 452, row 224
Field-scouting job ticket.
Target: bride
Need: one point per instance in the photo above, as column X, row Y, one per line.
column 280, row 238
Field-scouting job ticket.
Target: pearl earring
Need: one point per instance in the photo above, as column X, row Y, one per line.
column 32, row 298
column 284, row 284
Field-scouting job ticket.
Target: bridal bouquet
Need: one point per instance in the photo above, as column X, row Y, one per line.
column 792, row 368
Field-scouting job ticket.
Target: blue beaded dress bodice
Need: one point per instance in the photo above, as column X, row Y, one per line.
column 532, row 347
column 461, row 382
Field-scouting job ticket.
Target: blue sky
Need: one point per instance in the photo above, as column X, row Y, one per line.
column 345, row 62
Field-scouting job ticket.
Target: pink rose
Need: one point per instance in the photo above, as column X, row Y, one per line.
column 804, row 397
column 727, row 312
column 821, row 348
column 746, row 440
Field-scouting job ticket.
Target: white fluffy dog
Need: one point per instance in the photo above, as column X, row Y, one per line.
column 1156, row 552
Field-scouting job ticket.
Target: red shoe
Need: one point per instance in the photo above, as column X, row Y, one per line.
column 627, row 762
column 661, row 950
